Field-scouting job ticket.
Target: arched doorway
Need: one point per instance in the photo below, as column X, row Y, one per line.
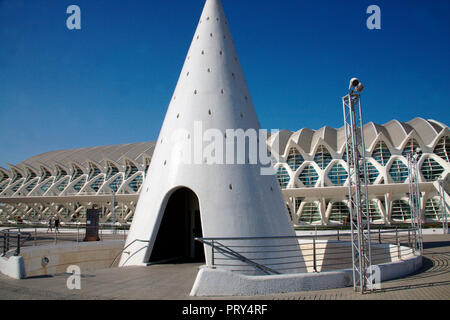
column 180, row 224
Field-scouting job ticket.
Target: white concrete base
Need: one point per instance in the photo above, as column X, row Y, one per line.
column 216, row 282
column 13, row 267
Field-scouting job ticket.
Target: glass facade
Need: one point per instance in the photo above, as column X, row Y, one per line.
column 63, row 184
column 374, row 210
column 131, row 169
column 116, row 183
column 136, row 183
column 47, row 185
column 411, row 147
column 77, row 172
column 381, row 153
column 442, row 148
column 431, row 170
column 31, row 186
column 372, row 172
column 97, row 183
column 433, row 209
column 294, row 159
column 77, row 186
column 112, row 170
column 398, row 171
column 93, row 171
column 310, row 213
column 309, row 176
column 283, row 177
column 401, row 211
column 337, row 175
column 322, row 157
column 340, row 213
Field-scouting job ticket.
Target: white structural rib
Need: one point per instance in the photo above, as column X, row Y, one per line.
column 235, row 199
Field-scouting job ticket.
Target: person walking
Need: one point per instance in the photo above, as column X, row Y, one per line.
column 50, row 225
column 57, row 224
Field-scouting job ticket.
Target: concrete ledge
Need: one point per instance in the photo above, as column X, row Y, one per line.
column 46, row 260
column 13, row 267
column 216, row 282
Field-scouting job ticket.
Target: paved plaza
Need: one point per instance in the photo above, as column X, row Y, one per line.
column 174, row 281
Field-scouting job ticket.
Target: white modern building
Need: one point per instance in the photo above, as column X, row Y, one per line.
column 311, row 171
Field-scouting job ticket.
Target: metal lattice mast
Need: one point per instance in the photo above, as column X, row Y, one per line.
column 443, row 207
column 414, row 199
column 357, row 188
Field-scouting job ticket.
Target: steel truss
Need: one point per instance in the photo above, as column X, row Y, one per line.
column 414, row 200
column 443, row 207
column 357, row 193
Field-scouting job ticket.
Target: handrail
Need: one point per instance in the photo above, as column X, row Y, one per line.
column 224, row 249
column 6, row 236
column 295, row 237
column 120, row 252
column 239, row 251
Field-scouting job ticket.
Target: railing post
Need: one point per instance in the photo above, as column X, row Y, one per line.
column 35, row 235
column 399, row 254
column 338, row 234
column 212, row 253
column 56, row 237
column 18, row 245
column 379, row 235
column 7, row 242
column 314, row 254
column 4, row 243
column 409, row 238
column 78, row 233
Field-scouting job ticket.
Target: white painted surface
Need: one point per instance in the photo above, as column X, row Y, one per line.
column 13, row 267
column 211, row 89
column 217, row 282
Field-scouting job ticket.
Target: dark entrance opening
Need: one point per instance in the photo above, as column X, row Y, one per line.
column 180, row 224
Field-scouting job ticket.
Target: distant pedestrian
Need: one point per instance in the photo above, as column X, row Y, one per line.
column 50, row 225
column 57, row 224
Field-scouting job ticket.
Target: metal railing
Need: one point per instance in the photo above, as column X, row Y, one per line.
column 121, row 251
column 304, row 253
column 13, row 239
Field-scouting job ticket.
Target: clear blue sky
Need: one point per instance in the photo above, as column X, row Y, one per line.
column 111, row 81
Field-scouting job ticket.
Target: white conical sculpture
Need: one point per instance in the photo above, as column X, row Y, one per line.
column 234, row 200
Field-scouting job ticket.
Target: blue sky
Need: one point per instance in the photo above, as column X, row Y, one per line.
column 111, row 81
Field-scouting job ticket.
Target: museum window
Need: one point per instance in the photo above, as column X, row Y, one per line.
column 116, row 183
column 442, row 148
column 309, row 176
column 374, row 210
column 381, row 153
column 46, row 185
column 433, row 209
column 77, row 186
column 310, row 213
column 130, row 170
column 372, row 173
column 401, row 211
column 294, row 159
column 136, row 183
column 31, row 186
column 431, row 170
column 93, row 171
column 63, row 185
column 98, row 183
column 410, row 148
column 340, row 213
column 77, row 172
column 337, row 175
column 112, row 170
column 283, row 177
column 398, row 171
column 322, row 157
